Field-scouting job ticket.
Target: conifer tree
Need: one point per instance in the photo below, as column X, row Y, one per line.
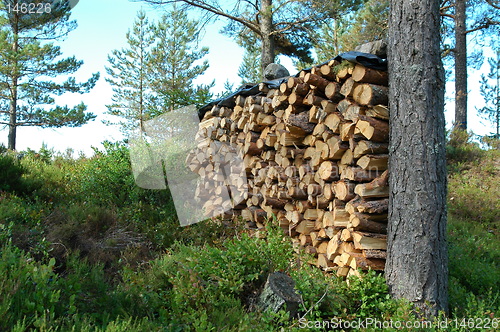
column 281, row 26
column 490, row 90
column 30, row 62
column 370, row 23
column 250, row 70
column 129, row 74
column 175, row 63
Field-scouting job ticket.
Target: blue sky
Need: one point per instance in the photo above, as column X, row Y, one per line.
column 102, row 25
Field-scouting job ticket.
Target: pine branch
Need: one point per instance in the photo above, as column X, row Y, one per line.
column 213, row 10
column 494, row 5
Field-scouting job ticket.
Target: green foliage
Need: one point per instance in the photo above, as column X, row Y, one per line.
column 461, row 151
column 473, row 226
column 106, row 178
column 208, row 286
column 490, row 91
column 128, row 73
column 474, row 264
column 370, row 24
column 471, row 193
column 155, row 73
column 326, row 297
column 250, row 70
column 27, row 290
column 78, row 254
column 29, row 62
column 10, row 177
column 174, row 66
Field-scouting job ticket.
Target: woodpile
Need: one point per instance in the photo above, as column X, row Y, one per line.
column 315, row 152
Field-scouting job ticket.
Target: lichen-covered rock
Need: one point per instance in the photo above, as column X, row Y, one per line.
column 274, row 71
column 279, row 293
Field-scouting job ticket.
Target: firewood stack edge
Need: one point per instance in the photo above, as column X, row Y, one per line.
column 315, row 152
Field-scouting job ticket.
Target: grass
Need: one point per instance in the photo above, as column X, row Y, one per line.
column 84, row 249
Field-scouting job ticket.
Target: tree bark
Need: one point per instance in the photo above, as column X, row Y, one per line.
column 460, row 65
column 11, row 139
column 266, row 30
column 417, row 254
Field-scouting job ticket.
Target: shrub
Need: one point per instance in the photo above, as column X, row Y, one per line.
column 214, row 281
column 10, row 176
column 474, row 262
column 106, row 178
column 461, row 150
column 28, row 289
column 473, row 193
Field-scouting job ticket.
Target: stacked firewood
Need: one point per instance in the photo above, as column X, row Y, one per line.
column 315, row 152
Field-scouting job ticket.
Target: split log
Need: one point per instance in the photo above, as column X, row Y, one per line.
column 373, row 129
column 333, row 92
column 347, row 88
column 375, row 253
column 368, row 75
column 373, row 162
column 363, row 240
column 359, row 223
column 316, row 80
column 364, row 263
column 299, row 125
column 328, row 171
column 333, row 121
column 378, row 111
column 377, row 188
column 370, row 94
column 369, row 147
column 324, row 262
column 359, row 174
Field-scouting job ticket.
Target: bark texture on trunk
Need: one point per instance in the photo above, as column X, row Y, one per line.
column 266, row 29
column 11, row 139
column 460, row 66
column 417, row 252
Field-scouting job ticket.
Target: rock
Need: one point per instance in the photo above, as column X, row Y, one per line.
column 279, row 293
column 274, row 71
column 378, row 47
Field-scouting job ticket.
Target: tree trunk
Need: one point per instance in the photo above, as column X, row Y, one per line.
column 11, row 140
column 497, row 97
column 417, row 254
column 460, row 66
column 266, row 30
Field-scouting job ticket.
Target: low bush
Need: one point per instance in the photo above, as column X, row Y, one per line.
column 461, row 150
column 11, row 175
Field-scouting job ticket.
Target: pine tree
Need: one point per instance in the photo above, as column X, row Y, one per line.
column 490, row 90
column 29, row 60
column 173, row 65
column 345, row 33
column 370, row 23
column 417, row 261
column 129, row 74
column 250, row 70
column 281, row 26
column 462, row 21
